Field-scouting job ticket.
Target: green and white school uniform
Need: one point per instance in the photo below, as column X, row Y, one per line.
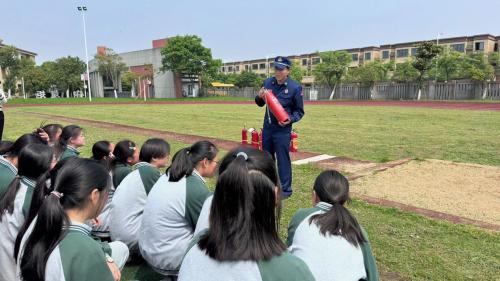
column 128, row 204
column 77, row 257
column 10, row 226
column 69, row 152
column 7, row 173
column 169, row 220
column 120, row 171
column 197, row 265
column 329, row 257
column 202, row 223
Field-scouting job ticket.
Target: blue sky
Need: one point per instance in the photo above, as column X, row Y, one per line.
column 237, row 30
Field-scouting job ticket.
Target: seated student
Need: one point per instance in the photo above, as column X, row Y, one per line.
column 34, row 160
column 5, row 146
column 72, row 138
column 242, row 241
column 9, row 159
column 328, row 238
column 59, row 243
column 54, row 132
column 102, row 151
column 173, row 207
column 126, row 154
column 130, row 196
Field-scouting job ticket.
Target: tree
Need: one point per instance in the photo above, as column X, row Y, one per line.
column 248, row 79
column 332, row 68
column 110, row 64
column 449, row 65
column 9, row 62
column 405, row 72
column 494, row 60
column 478, row 68
column 129, row 79
column 32, row 75
column 370, row 73
column 426, row 53
column 69, row 70
column 185, row 55
column 296, row 72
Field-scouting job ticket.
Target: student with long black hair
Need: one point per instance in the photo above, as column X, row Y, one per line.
column 126, row 154
column 129, row 200
column 33, row 161
column 54, row 132
column 9, row 159
column 59, row 243
column 328, row 238
column 72, row 138
column 242, row 241
column 102, row 151
column 173, row 206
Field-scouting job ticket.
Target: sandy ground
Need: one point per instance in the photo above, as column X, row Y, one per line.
column 467, row 190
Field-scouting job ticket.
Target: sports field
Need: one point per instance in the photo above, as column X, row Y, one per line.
column 407, row 245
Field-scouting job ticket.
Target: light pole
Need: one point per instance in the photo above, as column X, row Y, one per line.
column 83, row 9
column 437, row 44
column 267, row 63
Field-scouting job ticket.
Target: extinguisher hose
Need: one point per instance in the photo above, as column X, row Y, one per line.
column 267, row 108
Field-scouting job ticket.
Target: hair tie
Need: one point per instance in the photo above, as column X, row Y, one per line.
column 188, row 151
column 57, row 194
column 243, row 154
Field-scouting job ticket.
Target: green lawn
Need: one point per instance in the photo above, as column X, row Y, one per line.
column 120, row 100
column 410, row 245
column 375, row 134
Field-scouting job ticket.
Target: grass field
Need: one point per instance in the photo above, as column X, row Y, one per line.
column 414, row 247
column 376, row 134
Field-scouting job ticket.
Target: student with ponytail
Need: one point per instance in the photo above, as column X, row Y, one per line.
column 59, row 243
column 242, row 241
column 130, row 196
column 328, row 238
column 33, row 161
column 173, row 207
column 71, row 139
column 9, row 159
column 126, row 154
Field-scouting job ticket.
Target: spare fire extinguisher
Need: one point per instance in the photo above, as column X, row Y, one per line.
column 244, row 136
column 260, row 139
column 294, row 142
column 255, row 137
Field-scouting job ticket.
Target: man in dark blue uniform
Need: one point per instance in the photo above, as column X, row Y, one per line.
column 276, row 135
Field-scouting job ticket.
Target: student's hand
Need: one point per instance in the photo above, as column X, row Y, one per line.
column 115, row 271
column 96, row 222
column 283, row 124
column 42, row 134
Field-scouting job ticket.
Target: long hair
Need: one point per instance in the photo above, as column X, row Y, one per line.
column 243, row 222
column 185, row 160
column 52, row 130
column 20, row 143
column 34, row 160
column 74, row 183
column 123, row 150
column 333, row 188
column 101, row 153
column 68, row 132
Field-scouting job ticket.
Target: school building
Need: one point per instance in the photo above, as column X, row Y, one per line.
column 151, row 81
column 398, row 53
column 21, row 54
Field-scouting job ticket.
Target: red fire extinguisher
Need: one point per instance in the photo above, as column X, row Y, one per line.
column 244, row 136
column 276, row 108
column 294, row 142
column 260, row 139
column 255, row 138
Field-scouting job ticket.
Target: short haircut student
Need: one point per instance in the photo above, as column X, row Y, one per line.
column 154, row 148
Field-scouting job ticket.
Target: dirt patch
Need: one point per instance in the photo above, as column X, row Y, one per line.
column 466, row 190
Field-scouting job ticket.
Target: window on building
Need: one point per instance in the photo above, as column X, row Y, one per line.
column 413, row 52
column 304, row 62
column 495, row 49
column 316, row 60
column 255, row 66
column 271, row 64
column 354, row 57
column 230, row 69
column 402, row 53
column 368, row 56
column 458, row 47
column 479, row 46
column 262, row 66
column 237, row 68
column 385, row 55
column 247, row 67
column 223, row 69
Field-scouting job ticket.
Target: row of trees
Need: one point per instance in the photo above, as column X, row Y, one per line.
column 431, row 62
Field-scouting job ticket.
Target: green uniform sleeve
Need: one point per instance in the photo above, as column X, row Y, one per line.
column 6, row 177
column 285, row 267
column 369, row 259
column 149, row 177
column 196, row 194
column 119, row 174
column 299, row 216
column 83, row 260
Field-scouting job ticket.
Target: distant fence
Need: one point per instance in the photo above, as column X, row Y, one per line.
column 453, row 90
